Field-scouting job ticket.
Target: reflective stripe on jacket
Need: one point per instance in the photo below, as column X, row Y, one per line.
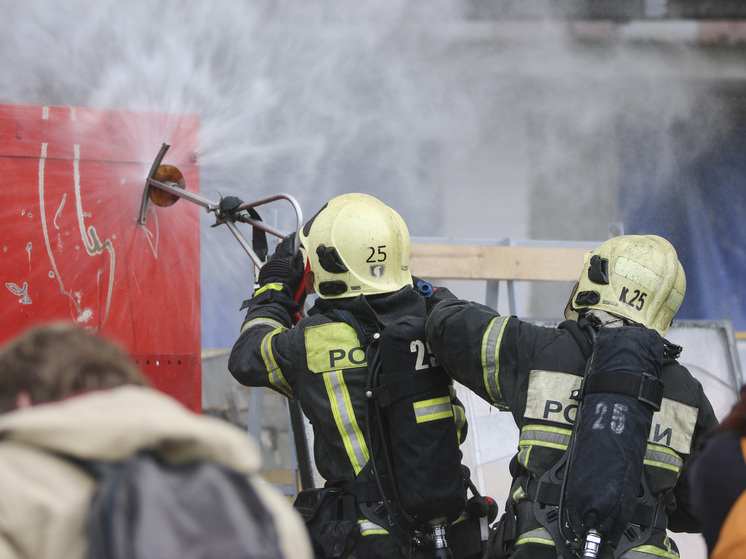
column 532, row 370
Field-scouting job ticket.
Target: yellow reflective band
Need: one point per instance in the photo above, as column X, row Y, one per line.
column 368, row 528
column 491, row 359
column 543, row 435
column 461, row 518
column 276, row 377
column 333, row 347
column 459, row 415
column 518, row 494
column 539, row 535
column 344, row 417
column 662, row 465
column 431, row 410
column 663, row 457
column 555, row 431
column 541, row 541
column 524, row 454
column 645, row 551
column 269, row 287
column 262, row 322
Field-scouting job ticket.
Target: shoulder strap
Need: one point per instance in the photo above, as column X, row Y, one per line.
column 580, row 331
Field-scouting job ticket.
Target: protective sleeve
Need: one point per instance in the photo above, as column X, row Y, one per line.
column 455, row 329
column 262, row 355
column 493, row 355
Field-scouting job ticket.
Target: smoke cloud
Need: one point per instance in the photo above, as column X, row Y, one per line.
column 471, row 129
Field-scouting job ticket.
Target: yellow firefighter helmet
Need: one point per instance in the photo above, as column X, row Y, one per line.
column 357, row 245
column 635, row 277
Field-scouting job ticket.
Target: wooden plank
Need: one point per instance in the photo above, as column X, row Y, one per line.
column 482, row 262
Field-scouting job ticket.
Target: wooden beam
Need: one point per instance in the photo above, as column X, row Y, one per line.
column 482, row 262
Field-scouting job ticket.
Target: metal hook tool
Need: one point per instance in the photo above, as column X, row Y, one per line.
column 165, row 185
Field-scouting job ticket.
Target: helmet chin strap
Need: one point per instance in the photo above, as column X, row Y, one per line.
column 601, row 319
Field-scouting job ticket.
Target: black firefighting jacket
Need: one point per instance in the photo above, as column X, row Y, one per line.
column 532, row 371
column 320, row 362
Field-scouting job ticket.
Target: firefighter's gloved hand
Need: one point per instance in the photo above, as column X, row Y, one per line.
column 229, row 203
column 433, row 295
column 282, row 279
column 479, row 507
column 283, row 268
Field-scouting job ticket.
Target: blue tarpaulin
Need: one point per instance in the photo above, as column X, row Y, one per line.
column 700, row 207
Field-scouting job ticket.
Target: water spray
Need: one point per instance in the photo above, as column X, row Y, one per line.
column 165, row 185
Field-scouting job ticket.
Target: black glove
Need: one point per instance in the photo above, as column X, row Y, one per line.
column 284, row 267
column 281, row 279
column 479, row 507
column 229, row 203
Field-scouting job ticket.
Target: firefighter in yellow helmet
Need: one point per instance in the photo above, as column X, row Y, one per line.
column 607, row 417
column 386, row 419
column 634, row 278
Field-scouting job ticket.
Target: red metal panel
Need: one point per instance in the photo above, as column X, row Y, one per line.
column 71, row 246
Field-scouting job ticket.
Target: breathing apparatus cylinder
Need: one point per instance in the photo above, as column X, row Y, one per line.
column 440, row 544
column 413, row 398
column 619, row 394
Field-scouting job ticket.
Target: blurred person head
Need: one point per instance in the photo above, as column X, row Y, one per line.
column 736, row 418
column 55, row 360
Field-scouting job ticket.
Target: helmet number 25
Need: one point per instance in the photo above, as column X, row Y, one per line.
column 377, row 254
column 637, row 300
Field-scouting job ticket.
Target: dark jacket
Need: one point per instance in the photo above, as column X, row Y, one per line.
column 718, row 479
column 532, row 371
column 321, row 362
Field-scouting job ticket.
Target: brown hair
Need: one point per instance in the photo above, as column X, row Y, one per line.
column 58, row 359
column 736, row 418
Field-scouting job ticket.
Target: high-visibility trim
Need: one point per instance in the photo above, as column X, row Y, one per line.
column 433, row 409
column 518, row 494
column 674, row 425
column 333, row 347
column 276, row 377
column 549, row 399
column 491, row 359
column 344, row 417
column 662, row 465
column 269, row 287
column 648, row 551
column 541, row 435
column 261, row 322
column 368, row 528
column 549, row 396
column 524, row 454
column 459, row 415
column 539, row 535
column 663, row 457
column 544, row 435
column 464, row 516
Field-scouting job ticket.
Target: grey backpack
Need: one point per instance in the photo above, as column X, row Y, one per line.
column 145, row 509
